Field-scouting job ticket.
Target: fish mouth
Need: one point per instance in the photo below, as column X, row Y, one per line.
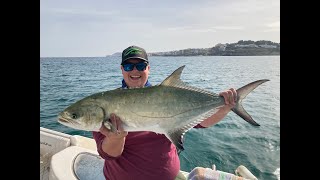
column 63, row 120
column 66, row 121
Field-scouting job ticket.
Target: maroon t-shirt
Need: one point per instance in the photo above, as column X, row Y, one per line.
column 146, row 156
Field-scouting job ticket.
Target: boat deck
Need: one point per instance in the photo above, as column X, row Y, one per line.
column 73, row 157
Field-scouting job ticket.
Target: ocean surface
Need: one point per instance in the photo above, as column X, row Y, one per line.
column 228, row 144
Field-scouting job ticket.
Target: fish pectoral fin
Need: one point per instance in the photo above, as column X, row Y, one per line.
column 110, row 126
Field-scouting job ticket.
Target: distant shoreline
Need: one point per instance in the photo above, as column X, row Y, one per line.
column 241, row 48
column 77, row 57
column 210, row 55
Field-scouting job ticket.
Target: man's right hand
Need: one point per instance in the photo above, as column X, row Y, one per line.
column 113, row 143
column 117, row 123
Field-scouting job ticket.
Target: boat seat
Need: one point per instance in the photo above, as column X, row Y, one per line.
column 51, row 142
column 88, row 166
column 76, row 163
column 82, row 141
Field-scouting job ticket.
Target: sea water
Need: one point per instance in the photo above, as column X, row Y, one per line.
column 228, row 144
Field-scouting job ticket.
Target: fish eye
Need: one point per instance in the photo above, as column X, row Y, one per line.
column 74, row 116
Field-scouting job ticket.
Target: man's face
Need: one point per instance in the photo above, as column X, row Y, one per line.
column 135, row 78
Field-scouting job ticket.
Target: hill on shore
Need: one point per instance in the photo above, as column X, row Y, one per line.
column 241, row 48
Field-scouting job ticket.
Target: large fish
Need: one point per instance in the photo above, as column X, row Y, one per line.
column 170, row 108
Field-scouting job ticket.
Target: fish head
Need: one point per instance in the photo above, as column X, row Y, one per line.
column 87, row 117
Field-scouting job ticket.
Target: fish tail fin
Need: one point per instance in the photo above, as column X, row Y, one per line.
column 242, row 93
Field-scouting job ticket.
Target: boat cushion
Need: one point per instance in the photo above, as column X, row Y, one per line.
column 88, row 166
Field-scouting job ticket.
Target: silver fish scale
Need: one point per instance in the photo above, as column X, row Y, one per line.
column 171, row 108
column 160, row 106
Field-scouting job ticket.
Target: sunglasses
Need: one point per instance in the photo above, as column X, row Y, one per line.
column 141, row 66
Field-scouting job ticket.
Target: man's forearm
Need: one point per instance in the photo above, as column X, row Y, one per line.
column 217, row 117
column 113, row 147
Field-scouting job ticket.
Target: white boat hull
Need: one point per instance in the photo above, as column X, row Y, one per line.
column 74, row 157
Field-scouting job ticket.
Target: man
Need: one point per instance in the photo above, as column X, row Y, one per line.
column 144, row 155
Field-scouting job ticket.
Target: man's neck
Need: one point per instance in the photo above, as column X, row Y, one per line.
column 124, row 84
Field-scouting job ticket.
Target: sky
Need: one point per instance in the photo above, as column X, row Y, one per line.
column 96, row 28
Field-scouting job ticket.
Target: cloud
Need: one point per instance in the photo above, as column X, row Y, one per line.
column 204, row 29
column 108, row 25
column 272, row 27
column 274, row 24
column 82, row 12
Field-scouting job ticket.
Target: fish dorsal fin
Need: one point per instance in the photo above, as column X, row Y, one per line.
column 174, row 81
